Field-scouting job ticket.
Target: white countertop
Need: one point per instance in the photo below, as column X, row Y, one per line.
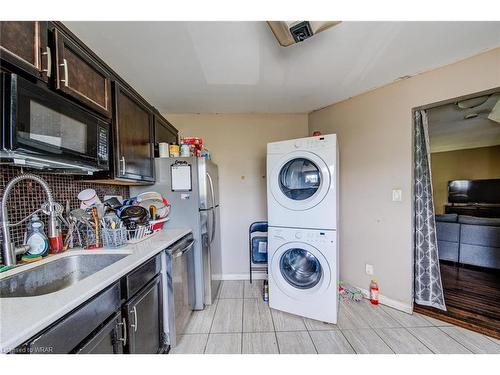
column 23, row 317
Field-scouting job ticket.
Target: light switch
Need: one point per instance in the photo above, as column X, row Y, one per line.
column 397, row 195
column 369, row 269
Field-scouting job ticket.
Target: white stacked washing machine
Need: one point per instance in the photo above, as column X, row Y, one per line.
column 302, row 201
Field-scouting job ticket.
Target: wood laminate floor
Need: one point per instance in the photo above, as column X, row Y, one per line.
column 472, row 297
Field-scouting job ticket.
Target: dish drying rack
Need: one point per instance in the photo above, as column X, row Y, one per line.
column 121, row 236
column 142, row 233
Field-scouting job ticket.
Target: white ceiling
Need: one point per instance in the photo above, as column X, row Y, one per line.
column 449, row 129
column 239, row 66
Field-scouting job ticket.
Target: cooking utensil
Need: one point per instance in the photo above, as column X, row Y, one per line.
column 81, row 216
column 95, row 217
column 113, row 202
column 132, row 216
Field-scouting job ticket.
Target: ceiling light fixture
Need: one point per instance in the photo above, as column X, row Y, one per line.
column 291, row 32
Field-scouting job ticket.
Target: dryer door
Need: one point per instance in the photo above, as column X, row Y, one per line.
column 300, row 270
column 300, row 180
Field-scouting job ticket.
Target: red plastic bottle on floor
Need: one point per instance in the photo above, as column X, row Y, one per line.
column 374, row 292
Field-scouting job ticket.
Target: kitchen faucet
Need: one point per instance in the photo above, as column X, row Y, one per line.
column 9, row 252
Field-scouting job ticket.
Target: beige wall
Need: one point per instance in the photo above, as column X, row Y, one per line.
column 238, row 144
column 375, row 141
column 470, row 164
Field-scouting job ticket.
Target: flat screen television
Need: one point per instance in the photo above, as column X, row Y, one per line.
column 474, row 191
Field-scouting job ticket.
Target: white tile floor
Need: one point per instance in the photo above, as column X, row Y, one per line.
column 240, row 322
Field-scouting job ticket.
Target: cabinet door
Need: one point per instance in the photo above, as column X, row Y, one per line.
column 108, row 340
column 24, row 45
column 80, row 76
column 133, row 126
column 164, row 131
column 144, row 320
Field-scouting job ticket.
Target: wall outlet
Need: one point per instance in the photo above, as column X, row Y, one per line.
column 397, row 195
column 369, row 269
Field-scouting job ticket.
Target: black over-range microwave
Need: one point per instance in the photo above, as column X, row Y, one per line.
column 42, row 129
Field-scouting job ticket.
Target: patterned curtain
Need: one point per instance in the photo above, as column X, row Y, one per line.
column 428, row 286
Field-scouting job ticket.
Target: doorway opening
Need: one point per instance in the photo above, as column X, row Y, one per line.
column 463, row 140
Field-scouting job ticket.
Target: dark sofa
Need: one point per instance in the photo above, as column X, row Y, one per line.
column 469, row 240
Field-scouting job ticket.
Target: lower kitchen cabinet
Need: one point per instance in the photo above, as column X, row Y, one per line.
column 74, row 329
column 143, row 314
column 126, row 317
column 107, row 340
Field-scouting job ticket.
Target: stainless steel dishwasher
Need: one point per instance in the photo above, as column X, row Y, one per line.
column 179, row 293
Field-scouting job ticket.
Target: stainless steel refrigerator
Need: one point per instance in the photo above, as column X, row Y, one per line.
column 192, row 187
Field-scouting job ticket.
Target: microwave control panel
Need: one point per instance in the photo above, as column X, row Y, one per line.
column 102, row 146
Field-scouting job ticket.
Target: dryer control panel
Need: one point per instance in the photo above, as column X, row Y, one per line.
column 309, row 143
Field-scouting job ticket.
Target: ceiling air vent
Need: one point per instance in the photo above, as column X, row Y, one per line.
column 290, row 32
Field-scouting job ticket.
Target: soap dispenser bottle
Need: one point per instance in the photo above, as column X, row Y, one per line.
column 36, row 238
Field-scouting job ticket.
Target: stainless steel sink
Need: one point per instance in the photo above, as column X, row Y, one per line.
column 56, row 275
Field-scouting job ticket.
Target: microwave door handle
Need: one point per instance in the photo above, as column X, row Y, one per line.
column 65, row 66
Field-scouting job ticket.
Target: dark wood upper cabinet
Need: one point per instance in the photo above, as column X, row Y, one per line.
column 50, row 52
column 133, row 137
column 24, row 44
column 164, row 131
column 80, row 76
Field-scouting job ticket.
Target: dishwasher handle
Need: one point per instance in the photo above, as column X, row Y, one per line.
column 181, row 248
column 180, row 252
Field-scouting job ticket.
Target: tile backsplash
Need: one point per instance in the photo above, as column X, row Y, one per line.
column 28, row 196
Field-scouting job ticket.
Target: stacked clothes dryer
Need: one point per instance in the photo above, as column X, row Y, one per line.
column 302, row 201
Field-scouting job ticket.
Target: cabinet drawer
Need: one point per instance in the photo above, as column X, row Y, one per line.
column 79, row 76
column 67, row 333
column 138, row 278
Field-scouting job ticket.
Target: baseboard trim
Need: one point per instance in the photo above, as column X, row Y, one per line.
column 398, row 305
column 244, row 276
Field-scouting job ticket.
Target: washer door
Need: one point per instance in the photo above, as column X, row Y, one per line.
column 300, row 181
column 300, row 270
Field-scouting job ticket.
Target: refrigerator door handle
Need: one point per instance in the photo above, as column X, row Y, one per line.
column 214, row 225
column 212, row 235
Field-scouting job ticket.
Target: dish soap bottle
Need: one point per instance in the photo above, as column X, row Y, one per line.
column 36, row 239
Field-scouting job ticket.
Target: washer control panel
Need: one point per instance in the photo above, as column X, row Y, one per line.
column 303, row 235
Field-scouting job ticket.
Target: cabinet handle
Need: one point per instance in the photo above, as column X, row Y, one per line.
column 124, row 331
column 65, row 66
column 48, row 53
column 122, row 160
column 134, row 326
